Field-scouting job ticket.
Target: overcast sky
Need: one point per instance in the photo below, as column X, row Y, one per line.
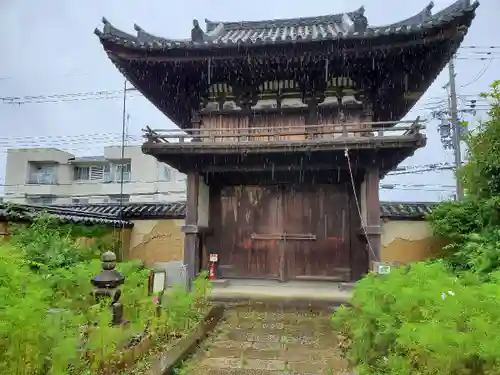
column 48, row 48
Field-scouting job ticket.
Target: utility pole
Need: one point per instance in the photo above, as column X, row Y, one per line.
column 455, row 125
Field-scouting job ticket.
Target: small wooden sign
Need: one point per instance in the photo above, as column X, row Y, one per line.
column 214, row 258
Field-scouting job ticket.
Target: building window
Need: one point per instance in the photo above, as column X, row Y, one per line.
column 42, row 201
column 42, row 174
column 80, row 200
column 119, row 198
column 168, row 173
column 89, row 173
column 126, row 169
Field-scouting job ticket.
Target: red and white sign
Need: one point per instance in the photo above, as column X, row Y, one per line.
column 214, row 258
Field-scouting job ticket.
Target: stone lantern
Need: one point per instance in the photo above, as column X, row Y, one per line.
column 107, row 284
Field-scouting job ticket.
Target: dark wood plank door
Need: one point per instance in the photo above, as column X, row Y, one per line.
column 316, row 223
column 251, row 217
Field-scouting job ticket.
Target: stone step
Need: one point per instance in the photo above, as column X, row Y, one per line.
column 273, row 315
column 306, row 340
column 277, row 307
column 221, row 366
column 258, row 325
column 255, row 364
column 296, row 354
column 279, row 315
column 216, row 371
column 280, row 329
column 248, row 352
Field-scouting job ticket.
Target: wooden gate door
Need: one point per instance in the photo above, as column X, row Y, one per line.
column 250, row 218
column 317, row 245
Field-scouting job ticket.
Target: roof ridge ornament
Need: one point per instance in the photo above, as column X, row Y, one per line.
column 359, row 20
column 428, row 9
column 108, row 27
column 197, row 34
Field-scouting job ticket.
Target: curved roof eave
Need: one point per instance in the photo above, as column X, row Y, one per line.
column 216, row 37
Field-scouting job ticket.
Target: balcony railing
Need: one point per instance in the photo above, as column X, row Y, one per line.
column 116, row 176
column 277, row 133
column 42, row 179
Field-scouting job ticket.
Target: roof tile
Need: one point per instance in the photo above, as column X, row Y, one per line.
column 335, row 26
column 28, row 212
column 177, row 210
column 174, row 210
column 405, row 210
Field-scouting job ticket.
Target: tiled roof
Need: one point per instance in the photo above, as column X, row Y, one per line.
column 246, row 33
column 177, row 210
column 174, row 210
column 29, row 212
column 406, row 210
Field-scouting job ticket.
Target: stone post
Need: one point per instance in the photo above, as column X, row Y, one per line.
column 107, row 284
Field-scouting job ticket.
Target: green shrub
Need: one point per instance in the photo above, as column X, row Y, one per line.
column 423, row 320
column 46, row 245
column 49, row 322
column 471, row 227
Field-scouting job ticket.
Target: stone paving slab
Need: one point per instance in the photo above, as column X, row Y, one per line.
column 278, row 324
column 217, row 371
column 312, row 341
column 247, row 363
column 248, row 353
column 271, row 342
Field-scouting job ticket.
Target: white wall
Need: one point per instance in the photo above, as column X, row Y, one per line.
column 146, row 183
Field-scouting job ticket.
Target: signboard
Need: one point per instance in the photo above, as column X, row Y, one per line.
column 214, row 258
column 384, row 269
column 159, row 281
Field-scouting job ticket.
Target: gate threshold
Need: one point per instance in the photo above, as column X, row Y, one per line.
column 291, row 292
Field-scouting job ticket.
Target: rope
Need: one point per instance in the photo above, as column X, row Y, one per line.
column 363, row 224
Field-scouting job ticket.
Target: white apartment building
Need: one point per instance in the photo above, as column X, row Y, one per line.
column 52, row 176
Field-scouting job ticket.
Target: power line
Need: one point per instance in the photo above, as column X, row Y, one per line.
column 415, row 187
column 476, row 58
column 480, row 47
column 479, row 75
column 165, row 181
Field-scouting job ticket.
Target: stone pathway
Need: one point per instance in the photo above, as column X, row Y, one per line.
column 260, row 339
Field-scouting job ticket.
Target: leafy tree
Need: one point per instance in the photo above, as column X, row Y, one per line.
column 471, row 225
column 481, row 175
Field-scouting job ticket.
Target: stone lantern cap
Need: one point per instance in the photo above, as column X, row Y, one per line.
column 108, row 278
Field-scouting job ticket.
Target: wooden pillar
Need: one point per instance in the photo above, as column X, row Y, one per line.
column 190, row 229
column 372, row 227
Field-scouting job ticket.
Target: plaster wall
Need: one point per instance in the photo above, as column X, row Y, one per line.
column 156, row 241
column 405, row 241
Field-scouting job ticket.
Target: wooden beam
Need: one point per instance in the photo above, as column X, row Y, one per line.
column 191, row 239
column 338, row 144
column 267, row 168
column 372, row 227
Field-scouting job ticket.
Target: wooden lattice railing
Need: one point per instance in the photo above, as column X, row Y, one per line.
column 321, row 132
